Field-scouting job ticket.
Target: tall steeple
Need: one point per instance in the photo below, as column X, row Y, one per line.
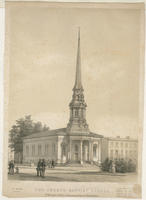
column 78, row 81
column 77, row 122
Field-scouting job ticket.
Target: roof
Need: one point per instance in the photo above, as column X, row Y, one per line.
column 91, row 134
column 60, row 131
column 122, row 139
column 55, row 132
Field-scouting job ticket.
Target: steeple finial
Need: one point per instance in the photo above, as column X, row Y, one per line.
column 78, row 81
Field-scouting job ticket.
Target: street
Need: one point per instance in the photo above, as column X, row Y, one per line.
column 76, row 174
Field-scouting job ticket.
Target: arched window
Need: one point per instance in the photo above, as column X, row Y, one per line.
column 27, row 150
column 94, row 150
column 63, row 150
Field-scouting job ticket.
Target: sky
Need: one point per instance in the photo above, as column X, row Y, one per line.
column 42, row 45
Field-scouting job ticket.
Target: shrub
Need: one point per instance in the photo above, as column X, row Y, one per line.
column 131, row 166
column 121, row 165
column 106, row 165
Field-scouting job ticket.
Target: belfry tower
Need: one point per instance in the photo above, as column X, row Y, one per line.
column 77, row 122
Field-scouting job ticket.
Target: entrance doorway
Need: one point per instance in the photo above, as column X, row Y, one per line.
column 76, row 157
column 76, row 153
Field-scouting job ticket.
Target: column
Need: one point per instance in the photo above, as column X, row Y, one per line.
column 99, row 151
column 59, row 150
column 86, row 152
column 81, row 152
column 91, row 151
column 69, row 150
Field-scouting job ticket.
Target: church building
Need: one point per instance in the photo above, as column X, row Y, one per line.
column 74, row 143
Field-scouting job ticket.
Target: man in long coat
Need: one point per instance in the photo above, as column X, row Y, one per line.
column 43, row 167
column 39, row 168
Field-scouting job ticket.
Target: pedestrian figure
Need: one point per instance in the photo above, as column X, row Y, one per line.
column 53, row 164
column 110, row 166
column 113, row 167
column 38, row 168
column 43, row 167
column 49, row 163
column 11, row 168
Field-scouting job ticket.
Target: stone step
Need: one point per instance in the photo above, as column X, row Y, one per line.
column 85, row 165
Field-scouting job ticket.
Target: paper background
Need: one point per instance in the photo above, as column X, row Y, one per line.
column 68, row 95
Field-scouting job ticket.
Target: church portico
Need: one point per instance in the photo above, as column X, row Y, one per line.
column 83, row 150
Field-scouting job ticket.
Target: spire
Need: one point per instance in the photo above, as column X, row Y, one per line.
column 78, row 82
column 77, row 122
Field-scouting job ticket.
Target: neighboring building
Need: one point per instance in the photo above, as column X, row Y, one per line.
column 125, row 148
column 75, row 143
column 120, row 148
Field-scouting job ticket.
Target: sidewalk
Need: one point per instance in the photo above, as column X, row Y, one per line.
column 70, row 170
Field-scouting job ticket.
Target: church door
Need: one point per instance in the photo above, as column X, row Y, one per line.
column 76, row 153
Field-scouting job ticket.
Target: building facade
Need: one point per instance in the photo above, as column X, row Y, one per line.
column 75, row 143
column 122, row 148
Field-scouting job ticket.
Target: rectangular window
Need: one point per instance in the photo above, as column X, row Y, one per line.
column 111, row 154
column 46, row 149
column 116, row 153
column 27, row 150
column 39, row 150
column 33, row 149
column 53, row 148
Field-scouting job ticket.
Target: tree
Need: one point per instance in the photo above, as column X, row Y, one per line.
column 23, row 127
column 122, row 166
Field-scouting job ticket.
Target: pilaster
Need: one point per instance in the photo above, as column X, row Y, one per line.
column 81, row 152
